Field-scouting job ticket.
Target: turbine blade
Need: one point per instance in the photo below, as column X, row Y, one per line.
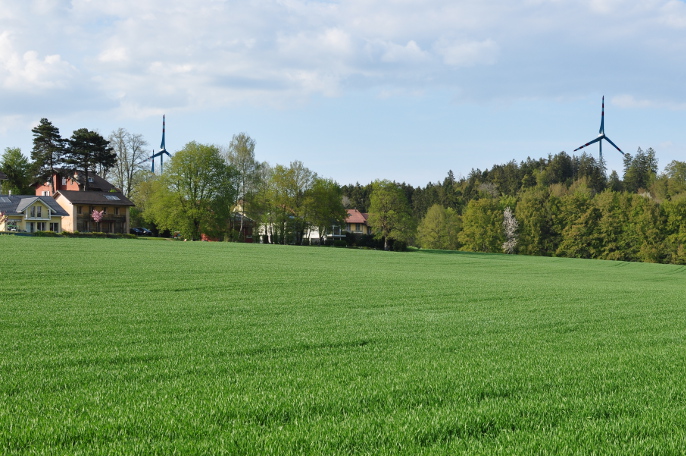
column 602, row 118
column 589, row 143
column 163, row 128
column 608, row 140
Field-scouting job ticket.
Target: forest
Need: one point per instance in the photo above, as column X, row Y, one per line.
column 561, row 205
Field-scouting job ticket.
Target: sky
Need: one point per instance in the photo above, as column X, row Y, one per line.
column 357, row 90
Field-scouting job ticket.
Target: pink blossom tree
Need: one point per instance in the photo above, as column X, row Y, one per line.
column 97, row 217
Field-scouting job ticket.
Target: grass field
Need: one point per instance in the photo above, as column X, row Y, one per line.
column 139, row 347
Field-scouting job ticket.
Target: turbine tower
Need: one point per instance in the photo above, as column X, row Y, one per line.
column 162, row 152
column 601, row 135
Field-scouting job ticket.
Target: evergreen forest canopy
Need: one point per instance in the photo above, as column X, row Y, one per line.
column 559, row 206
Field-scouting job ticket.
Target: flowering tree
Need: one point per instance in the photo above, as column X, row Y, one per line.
column 97, row 216
column 510, row 226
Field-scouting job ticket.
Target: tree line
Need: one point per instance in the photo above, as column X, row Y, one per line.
column 558, row 206
column 215, row 191
column 561, row 205
column 205, row 189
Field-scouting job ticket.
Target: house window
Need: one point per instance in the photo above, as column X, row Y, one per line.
column 64, row 181
column 32, row 213
column 79, row 209
column 40, row 226
column 112, row 197
column 104, row 210
column 116, row 211
column 55, row 227
column 91, row 209
column 46, row 193
column 39, row 212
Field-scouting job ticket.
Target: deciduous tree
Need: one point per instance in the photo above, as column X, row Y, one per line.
column 195, row 193
column 323, row 206
column 482, row 226
column 389, row 213
column 439, row 229
column 510, row 226
column 241, row 156
column 131, row 161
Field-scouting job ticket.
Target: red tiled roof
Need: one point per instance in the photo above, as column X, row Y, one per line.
column 355, row 216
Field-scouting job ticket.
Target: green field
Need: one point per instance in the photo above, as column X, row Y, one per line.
column 115, row 346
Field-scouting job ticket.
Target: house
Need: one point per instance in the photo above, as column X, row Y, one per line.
column 356, row 222
column 30, row 213
column 101, row 196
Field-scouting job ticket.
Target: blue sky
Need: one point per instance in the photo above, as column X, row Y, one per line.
column 357, row 90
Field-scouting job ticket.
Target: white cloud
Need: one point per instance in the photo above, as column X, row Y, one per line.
column 630, row 102
column 674, row 14
column 148, row 53
column 607, row 6
column 468, row 53
column 114, row 55
column 409, row 53
column 30, row 71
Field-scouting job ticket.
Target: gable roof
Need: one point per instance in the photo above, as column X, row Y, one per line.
column 355, row 216
column 95, row 198
column 95, row 184
column 17, row 204
column 25, row 202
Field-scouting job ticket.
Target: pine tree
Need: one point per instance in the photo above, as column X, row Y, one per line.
column 48, row 150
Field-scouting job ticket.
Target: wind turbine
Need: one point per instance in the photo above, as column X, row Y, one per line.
column 162, row 152
column 601, row 135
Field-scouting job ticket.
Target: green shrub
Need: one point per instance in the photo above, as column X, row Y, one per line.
column 45, row 234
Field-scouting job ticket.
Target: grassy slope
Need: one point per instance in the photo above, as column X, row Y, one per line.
column 150, row 347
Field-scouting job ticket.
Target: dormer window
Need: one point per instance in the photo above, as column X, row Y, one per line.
column 90, row 180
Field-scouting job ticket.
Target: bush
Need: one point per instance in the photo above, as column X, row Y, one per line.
column 45, row 234
column 340, row 243
column 399, row 246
